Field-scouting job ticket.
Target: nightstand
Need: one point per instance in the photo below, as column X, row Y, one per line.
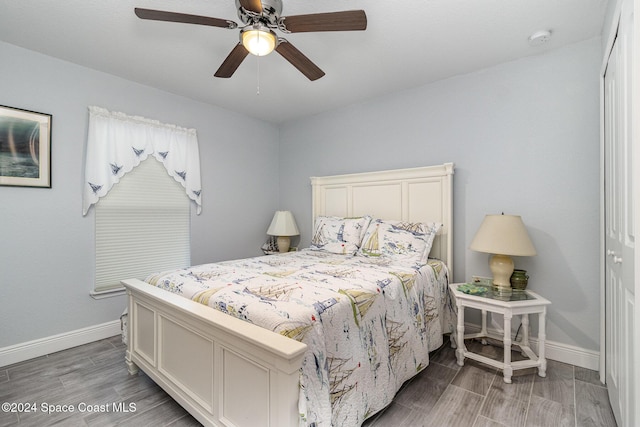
column 518, row 303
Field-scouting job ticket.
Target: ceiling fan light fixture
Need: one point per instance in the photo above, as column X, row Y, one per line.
column 259, row 40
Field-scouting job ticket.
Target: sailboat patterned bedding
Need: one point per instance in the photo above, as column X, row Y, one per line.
column 369, row 319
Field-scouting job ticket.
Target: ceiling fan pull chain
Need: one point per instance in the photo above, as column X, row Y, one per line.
column 258, row 71
column 258, row 76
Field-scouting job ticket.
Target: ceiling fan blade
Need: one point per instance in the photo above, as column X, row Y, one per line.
column 160, row 15
column 252, row 5
column 299, row 60
column 232, row 61
column 350, row 20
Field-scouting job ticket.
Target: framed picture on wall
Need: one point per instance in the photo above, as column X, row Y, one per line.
column 25, row 148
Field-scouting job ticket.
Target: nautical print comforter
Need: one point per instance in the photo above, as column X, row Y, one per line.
column 369, row 324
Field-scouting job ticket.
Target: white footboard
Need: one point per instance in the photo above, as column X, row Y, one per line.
column 224, row 371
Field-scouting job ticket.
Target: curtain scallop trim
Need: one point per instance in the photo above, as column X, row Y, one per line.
column 117, row 143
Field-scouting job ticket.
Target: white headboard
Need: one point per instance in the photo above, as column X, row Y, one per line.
column 415, row 195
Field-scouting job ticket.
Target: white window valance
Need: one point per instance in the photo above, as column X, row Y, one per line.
column 117, row 143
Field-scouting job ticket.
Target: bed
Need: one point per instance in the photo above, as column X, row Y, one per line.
column 228, row 371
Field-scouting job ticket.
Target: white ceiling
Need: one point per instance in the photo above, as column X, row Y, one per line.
column 408, row 43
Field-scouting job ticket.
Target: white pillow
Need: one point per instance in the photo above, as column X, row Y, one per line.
column 339, row 235
column 403, row 241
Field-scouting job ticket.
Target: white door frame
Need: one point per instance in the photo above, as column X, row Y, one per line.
column 636, row 197
column 610, row 38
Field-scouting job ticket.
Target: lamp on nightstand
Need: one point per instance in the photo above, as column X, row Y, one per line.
column 283, row 225
column 502, row 236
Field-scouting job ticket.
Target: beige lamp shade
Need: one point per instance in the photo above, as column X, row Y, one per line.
column 504, row 236
column 283, row 225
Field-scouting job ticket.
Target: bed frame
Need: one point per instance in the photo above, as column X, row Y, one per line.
column 227, row 372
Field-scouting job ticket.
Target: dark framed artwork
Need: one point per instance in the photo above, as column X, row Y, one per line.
column 25, row 148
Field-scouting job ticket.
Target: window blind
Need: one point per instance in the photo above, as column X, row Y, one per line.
column 142, row 227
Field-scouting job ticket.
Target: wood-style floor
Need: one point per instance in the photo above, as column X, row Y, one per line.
column 445, row 394
column 94, row 379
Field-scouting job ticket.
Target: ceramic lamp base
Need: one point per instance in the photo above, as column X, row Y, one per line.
column 502, row 267
column 283, row 243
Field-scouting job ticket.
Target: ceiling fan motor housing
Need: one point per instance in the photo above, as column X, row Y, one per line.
column 271, row 11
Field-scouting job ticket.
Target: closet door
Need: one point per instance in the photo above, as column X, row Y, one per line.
column 619, row 224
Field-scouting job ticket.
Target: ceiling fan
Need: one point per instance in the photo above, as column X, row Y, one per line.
column 257, row 36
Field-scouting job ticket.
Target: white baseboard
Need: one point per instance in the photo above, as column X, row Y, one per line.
column 40, row 347
column 20, row 352
column 557, row 351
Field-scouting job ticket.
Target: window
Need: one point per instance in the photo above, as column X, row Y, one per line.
column 142, row 226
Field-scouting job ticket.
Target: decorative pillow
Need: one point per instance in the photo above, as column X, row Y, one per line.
column 339, row 235
column 403, row 241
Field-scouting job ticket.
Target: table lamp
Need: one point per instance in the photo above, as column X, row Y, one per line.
column 502, row 236
column 283, row 225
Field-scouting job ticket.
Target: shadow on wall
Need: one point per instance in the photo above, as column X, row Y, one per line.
column 571, row 292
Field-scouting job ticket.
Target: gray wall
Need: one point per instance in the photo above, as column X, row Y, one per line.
column 524, row 137
column 47, row 246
